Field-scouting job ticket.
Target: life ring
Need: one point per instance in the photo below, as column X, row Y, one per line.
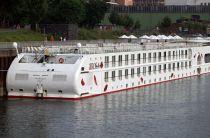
column 61, row 60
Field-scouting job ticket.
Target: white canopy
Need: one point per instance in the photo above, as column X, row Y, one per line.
column 132, row 37
column 153, row 37
column 178, row 37
column 171, row 37
column 162, row 37
column 124, row 36
column 199, row 38
column 144, row 37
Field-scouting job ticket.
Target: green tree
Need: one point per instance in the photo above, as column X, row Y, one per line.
column 137, row 25
column 114, row 18
column 166, row 22
column 65, row 11
column 36, row 10
column 127, row 21
column 95, row 12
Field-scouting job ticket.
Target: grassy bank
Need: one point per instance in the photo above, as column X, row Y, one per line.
column 86, row 34
column 8, row 35
column 150, row 20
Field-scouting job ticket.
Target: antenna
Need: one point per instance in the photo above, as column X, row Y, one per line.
column 15, row 46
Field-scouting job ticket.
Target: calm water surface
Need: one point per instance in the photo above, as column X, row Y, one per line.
column 175, row 109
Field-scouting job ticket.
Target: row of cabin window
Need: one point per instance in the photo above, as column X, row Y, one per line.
column 145, row 70
column 147, row 55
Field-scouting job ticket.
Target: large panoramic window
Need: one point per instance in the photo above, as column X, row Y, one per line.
column 207, row 58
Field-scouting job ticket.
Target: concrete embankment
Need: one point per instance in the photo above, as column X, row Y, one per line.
column 6, row 57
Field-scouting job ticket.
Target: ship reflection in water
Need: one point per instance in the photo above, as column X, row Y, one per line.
column 174, row 109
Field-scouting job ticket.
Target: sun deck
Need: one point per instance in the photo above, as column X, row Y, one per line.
column 107, row 48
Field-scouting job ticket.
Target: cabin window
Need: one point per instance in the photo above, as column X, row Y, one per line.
column 120, row 74
column 207, row 58
column 126, row 59
column 174, row 53
column 149, row 70
column 169, row 67
column 154, row 57
column 139, row 58
column 185, row 64
column 182, row 52
column 159, row 68
column 178, row 65
column 106, row 61
column 126, row 73
column 144, row 70
column 120, row 60
column 132, row 58
column 144, row 57
column 164, row 67
column 190, row 53
column 190, row 63
column 106, row 76
column 174, row 66
column 182, row 65
column 132, row 72
column 138, row 71
column 149, row 57
column 113, row 75
column 169, row 53
column 154, row 69
column 113, row 61
column 159, row 56
column 164, row 55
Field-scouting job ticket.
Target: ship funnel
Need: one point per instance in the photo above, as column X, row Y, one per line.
column 15, row 46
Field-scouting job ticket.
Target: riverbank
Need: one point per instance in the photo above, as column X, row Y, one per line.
column 10, row 35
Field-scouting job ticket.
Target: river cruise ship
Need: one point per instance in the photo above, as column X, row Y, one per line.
column 81, row 71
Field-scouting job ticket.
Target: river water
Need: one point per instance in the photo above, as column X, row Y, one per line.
column 176, row 109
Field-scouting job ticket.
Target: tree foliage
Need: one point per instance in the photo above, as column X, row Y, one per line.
column 65, row 11
column 114, row 18
column 95, row 12
column 122, row 20
column 166, row 22
column 137, row 25
column 82, row 12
